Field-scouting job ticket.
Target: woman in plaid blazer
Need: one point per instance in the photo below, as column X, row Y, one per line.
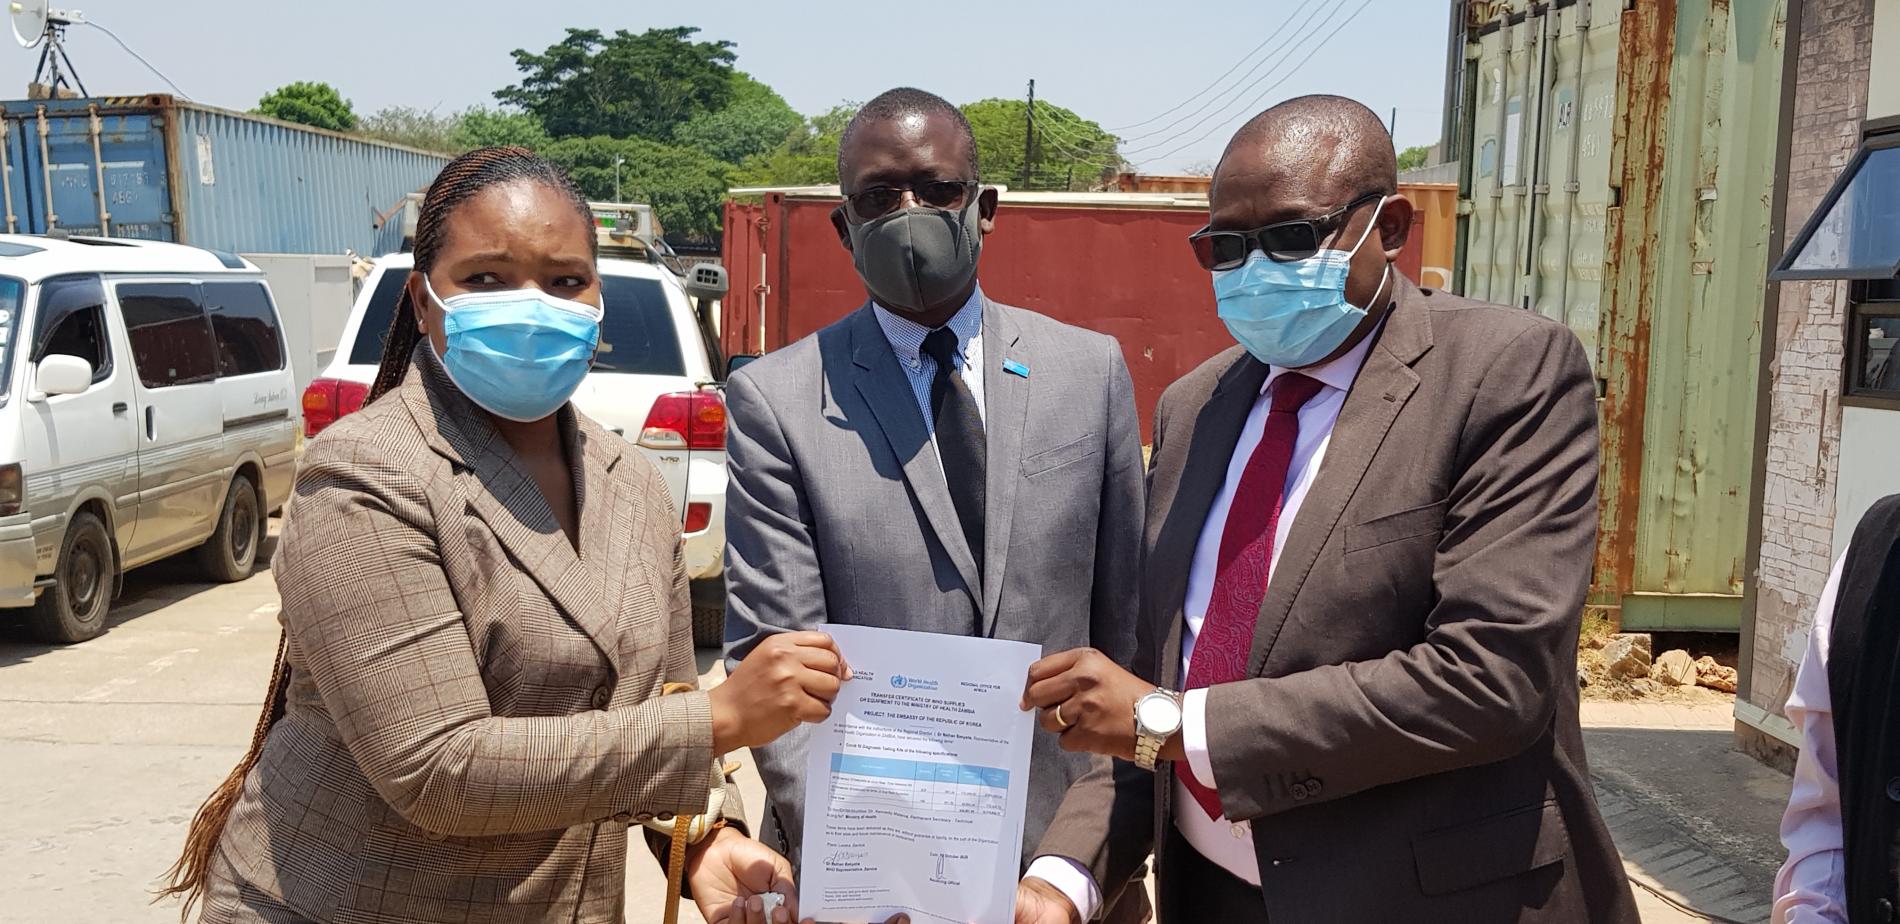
column 481, row 618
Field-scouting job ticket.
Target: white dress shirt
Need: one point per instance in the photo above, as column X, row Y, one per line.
column 1226, row 843
column 1812, row 886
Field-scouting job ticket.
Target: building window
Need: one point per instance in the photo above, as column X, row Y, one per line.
column 1873, row 355
column 1855, row 234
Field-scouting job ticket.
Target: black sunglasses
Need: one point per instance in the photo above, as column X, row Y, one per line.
column 1285, row 242
column 879, row 201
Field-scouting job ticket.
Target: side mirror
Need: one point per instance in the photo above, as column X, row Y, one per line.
column 63, row 375
column 707, row 281
column 739, row 362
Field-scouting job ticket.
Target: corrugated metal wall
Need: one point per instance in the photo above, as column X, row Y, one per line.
column 1121, row 270
column 1621, row 164
column 251, row 184
column 156, row 168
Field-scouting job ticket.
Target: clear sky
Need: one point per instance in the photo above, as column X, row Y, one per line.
column 1115, row 61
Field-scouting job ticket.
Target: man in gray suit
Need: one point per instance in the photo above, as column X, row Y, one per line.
column 935, row 461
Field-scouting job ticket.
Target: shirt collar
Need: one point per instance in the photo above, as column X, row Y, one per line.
column 1338, row 374
column 907, row 336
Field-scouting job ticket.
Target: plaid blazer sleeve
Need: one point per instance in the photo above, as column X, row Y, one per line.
column 681, row 668
column 373, row 621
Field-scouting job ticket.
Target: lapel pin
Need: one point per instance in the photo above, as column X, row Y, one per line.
column 1015, row 368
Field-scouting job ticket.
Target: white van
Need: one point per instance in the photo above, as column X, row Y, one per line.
column 655, row 382
column 146, row 409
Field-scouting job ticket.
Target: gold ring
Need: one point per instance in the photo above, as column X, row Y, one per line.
column 1059, row 719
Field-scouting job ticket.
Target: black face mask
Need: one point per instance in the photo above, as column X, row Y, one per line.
column 914, row 258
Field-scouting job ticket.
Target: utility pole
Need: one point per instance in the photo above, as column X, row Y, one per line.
column 1029, row 133
column 1392, row 128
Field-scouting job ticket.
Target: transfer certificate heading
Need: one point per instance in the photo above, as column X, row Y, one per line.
column 915, row 787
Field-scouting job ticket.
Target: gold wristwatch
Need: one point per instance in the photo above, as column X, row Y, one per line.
column 1157, row 718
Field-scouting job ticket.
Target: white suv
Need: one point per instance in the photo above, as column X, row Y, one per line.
column 655, row 382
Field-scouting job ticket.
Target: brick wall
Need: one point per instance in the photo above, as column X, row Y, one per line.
column 1804, row 427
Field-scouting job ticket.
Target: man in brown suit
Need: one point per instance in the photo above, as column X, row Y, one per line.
column 1369, row 534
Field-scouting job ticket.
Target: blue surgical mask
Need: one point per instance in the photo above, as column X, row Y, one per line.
column 1295, row 314
column 519, row 354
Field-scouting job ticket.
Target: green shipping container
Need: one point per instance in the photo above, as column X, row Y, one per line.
column 1618, row 173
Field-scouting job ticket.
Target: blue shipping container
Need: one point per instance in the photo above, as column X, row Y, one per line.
column 163, row 169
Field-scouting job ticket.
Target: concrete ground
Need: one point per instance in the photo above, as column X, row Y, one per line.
column 1698, row 821
column 108, row 747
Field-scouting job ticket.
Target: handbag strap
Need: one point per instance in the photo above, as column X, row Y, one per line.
column 681, row 838
column 676, row 868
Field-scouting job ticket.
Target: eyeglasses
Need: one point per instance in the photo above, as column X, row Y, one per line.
column 1285, row 242
column 879, row 201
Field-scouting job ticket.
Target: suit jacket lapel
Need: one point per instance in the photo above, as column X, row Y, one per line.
column 1384, row 385
column 1199, row 477
column 885, row 388
column 502, row 493
column 1006, row 397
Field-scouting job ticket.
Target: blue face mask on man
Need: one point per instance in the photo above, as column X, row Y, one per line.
column 520, row 354
column 1293, row 314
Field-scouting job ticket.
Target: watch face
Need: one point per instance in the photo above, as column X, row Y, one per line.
column 1159, row 714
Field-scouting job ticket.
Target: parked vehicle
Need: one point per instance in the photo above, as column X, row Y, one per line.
column 656, row 382
column 162, row 169
column 146, row 409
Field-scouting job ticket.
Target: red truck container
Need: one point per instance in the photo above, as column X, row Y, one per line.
column 1118, row 263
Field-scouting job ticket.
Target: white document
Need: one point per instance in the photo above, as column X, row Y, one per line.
column 915, row 787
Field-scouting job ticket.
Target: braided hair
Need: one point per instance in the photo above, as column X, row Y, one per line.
column 464, row 178
column 472, row 173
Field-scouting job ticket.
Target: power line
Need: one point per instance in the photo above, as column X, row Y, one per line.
column 141, row 58
column 1225, row 111
column 1243, row 60
column 1275, row 85
column 1075, row 151
column 1226, row 96
column 1077, row 133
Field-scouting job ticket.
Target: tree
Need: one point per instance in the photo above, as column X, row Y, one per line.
column 1414, row 157
column 624, row 85
column 754, row 122
column 686, row 188
column 481, row 127
column 416, row 128
column 808, row 158
column 309, row 103
column 1069, row 153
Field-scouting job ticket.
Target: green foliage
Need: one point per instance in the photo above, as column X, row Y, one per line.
column 481, row 127
column 416, row 128
column 1415, row 157
column 1070, row 153
column 754, row 122
column 808, row 158
column 623, row 85
column 309, row 103
column 686, row 188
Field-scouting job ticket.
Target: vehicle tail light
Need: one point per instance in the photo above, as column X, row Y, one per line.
column 328, row 400
column 686, row 420
column 698, row 517
column 13, row 490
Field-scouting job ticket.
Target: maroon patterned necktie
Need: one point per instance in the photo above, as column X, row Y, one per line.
column 1225, row 642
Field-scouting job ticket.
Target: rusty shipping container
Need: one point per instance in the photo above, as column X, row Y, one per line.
column 1618, row 167
column 1112, row 262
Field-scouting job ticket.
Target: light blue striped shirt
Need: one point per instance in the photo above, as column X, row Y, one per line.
column 907, row 341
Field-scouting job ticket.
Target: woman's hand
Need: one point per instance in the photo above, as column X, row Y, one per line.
column 729, row 871
column 790, row 678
